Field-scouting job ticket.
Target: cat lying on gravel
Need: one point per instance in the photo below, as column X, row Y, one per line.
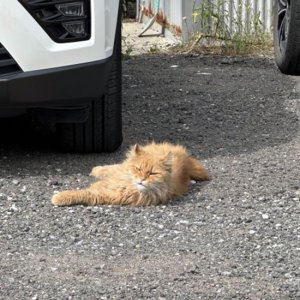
column 152, row 174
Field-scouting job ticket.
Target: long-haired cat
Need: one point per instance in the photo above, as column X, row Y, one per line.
column 150, row 175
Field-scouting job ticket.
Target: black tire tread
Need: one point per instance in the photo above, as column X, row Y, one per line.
column 289, row 62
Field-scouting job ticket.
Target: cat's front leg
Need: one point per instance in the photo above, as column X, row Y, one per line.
column 75, row 197
column 97, row 171
column 102, row 171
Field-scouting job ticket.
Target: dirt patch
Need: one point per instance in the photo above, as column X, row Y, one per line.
column 151, row 42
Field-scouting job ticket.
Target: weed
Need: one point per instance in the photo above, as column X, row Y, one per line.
column 237, row 30
column 126, row 54
column 127, row 49
column 154, row 49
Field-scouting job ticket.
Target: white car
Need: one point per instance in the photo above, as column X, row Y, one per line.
column 61, row 59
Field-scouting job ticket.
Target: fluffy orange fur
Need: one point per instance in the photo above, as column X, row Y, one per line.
column 150, row 175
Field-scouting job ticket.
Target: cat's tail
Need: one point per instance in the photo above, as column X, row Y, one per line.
column 77, row 197
column 196, row 170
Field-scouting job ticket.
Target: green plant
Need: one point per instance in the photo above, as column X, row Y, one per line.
column 126, row 54
column 154, row 49
column 127, row 49
column 237, row 32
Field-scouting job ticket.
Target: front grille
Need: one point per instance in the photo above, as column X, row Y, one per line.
column 7, row 64
column 63, row 20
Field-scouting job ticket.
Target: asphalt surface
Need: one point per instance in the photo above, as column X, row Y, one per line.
column 235, row 237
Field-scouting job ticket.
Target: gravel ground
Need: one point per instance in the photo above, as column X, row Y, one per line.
column 236, row 237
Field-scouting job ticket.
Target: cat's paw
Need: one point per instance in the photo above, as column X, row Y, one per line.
column 96, row 171
column 58, row 199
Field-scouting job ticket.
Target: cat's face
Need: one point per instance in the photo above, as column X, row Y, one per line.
column 150, row 174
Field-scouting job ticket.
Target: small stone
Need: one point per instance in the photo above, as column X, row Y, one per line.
column 287, row 275
column 226, row 273
column 265, row 216
column 252, row 231
column 13, row 208
column 185, row 222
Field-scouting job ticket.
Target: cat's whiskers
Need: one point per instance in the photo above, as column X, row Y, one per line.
column 154, row 190
column 161, row 189
column 141, row 186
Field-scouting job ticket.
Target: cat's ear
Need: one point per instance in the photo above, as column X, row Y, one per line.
column 134, row 151
column 168, row 160
column 137, row 149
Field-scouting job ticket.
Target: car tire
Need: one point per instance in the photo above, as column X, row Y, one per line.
column 287, row 36
column 131, row 10
column 102, row 131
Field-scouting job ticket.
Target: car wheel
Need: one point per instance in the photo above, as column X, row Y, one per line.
column 102, row 132
column 287, row 35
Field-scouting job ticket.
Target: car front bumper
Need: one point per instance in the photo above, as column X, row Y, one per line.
column 63, row 86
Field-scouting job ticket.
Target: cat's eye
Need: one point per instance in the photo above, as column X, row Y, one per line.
column 154, row 173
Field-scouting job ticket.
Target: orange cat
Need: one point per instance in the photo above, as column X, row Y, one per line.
column 151, row 175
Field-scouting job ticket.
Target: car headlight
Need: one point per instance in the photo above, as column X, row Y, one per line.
column 63, row 20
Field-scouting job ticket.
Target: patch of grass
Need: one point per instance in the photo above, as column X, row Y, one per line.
column 238, row 32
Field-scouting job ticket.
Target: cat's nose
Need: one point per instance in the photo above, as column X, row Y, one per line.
column 140, row 181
